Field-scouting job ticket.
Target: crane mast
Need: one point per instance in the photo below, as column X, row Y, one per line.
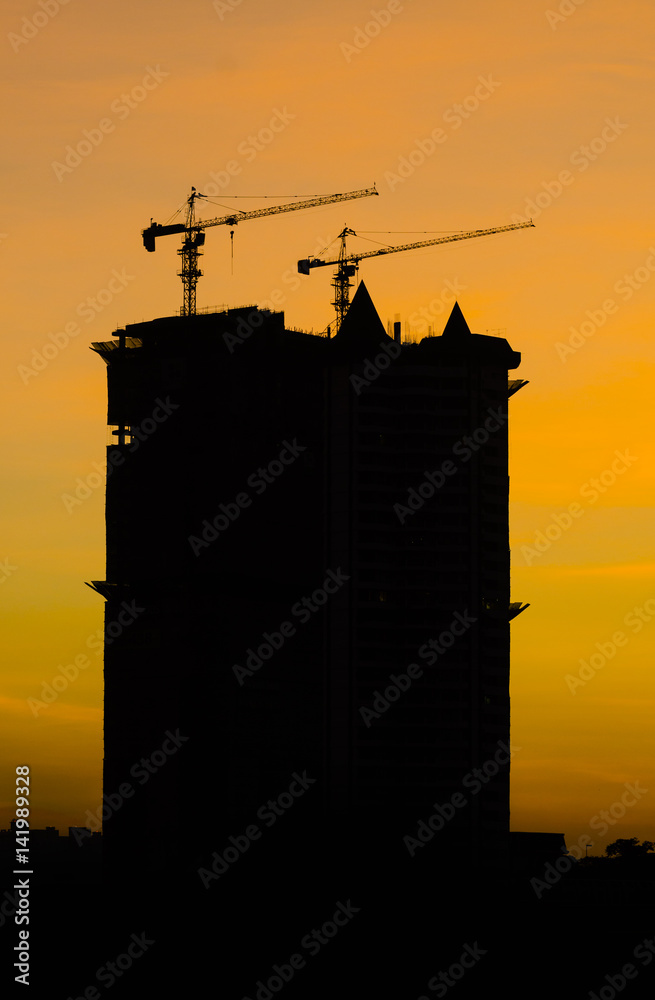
column 189, row 253
column 348, row 265
column 194, row 235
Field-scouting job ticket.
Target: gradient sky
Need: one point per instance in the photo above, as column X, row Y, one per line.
column 538, row 113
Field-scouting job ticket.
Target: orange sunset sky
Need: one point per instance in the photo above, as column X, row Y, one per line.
column 466, row 116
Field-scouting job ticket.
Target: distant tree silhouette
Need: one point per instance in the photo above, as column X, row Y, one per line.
column 624, row 848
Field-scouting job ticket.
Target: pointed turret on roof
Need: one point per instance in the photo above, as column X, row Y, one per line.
column 362, row 327
column 456, row 325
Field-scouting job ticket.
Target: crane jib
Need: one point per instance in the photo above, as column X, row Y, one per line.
column 305, row 265
column 347, row 265
column 292, row 206
column 195, row 235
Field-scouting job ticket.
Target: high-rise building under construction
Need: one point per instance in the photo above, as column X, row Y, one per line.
column 311, row 537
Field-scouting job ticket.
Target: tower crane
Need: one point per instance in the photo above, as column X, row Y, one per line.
column 194, row 235
column 348, row 264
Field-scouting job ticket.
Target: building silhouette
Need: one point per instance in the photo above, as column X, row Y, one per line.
column 307, row 747
column 307, row 607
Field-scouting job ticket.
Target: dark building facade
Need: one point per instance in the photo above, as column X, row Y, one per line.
column 307, row 600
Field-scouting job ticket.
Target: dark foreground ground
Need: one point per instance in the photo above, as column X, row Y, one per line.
column 357, row 928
